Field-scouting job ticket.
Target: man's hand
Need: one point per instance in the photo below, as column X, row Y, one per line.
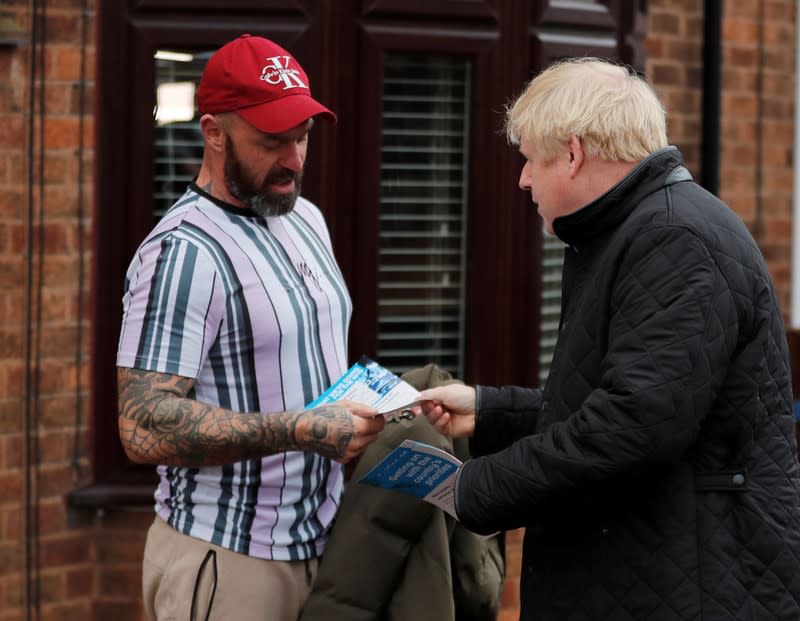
column 450, row 409
column 341, row 430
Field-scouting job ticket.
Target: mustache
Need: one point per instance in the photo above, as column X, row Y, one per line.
column 282, row 176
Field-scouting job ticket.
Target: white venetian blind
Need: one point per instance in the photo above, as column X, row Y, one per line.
column 423, row 211
column 552, row 261
column 178, row 148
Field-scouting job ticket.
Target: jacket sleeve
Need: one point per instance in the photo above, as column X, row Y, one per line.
column 672, row 330
column 503, row 415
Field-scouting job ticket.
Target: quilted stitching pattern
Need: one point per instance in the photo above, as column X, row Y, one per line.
column 671, row 371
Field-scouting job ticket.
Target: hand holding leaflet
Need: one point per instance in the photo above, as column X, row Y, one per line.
column 369, row 383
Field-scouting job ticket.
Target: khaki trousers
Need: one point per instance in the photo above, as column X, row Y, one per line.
column 186, row 579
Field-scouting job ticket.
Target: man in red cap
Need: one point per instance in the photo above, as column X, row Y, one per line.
column 235, row 316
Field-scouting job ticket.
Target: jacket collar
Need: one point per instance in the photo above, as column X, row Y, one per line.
column 607, row 212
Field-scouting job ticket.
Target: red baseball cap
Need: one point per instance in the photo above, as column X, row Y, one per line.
column 261, row 82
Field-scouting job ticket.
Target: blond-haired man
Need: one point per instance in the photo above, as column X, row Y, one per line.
column 656, row 472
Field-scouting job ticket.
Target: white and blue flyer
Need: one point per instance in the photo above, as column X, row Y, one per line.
column 369, row 383
column 419, row 470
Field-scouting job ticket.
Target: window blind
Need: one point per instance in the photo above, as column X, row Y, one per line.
column 423, row 211
column 552, row 262
column 178, row 146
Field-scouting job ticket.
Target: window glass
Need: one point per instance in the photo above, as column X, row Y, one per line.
column 552, row 261
column 423, row 211
column 178, row 142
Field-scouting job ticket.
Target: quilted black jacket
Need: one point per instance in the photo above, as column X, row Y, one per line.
column 656, row 473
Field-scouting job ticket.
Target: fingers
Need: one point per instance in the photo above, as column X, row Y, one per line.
column 366, row 429
column 437, row 416
column 454, row 398
column 359, row 409
column 432, row 394
column 368, row 425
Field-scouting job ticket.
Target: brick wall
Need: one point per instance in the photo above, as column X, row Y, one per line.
column 757, row 110
column 93, row 571
column 43, row 313
column 758, row 125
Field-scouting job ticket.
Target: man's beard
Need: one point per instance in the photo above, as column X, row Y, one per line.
column 260, row 199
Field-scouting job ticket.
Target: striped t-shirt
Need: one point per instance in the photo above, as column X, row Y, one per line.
column 256, row 310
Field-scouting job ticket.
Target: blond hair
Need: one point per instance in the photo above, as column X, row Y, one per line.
column 614, row 112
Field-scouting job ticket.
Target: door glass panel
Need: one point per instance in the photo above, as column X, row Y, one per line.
column 423, row 211
column 178, row 148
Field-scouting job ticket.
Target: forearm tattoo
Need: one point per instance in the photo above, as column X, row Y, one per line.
column 330, row 431
column 159, row 424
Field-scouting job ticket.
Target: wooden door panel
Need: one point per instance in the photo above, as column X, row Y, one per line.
column 191, row 6
column 425, row 8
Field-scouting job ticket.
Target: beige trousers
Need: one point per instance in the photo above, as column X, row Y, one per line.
column 186, row 579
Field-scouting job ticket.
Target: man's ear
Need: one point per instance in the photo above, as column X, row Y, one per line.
column 213, row 132
column 576, row 155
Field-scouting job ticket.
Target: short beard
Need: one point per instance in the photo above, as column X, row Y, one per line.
column 259, row 199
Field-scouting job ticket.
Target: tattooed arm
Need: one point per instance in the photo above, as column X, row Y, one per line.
column 158, row 424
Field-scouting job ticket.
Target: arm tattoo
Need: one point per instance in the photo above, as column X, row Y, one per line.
column 159, row 424
column 330, row 431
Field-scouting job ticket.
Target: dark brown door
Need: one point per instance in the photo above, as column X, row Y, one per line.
column 442, row 252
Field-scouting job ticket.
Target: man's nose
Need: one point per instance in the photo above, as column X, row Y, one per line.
column 292, row 157
column 524, row 181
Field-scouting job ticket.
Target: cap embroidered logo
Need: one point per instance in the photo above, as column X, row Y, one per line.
column 278, row 71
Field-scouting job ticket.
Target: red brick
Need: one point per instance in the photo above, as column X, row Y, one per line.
column 739, row 79
column 739, row 56
column 88, row 104
column 57, row 267
column 62, row 133
column 740, row 30
column 11, row 167
column 14, row 591
column 12, row 558
column 52, row 517
column 63, row 62
column 56, row 410
column 130, row 610
column 12, row 131
column 783, row 11
column 664, row 22
column 780, row 229
column 113, row 582
column 654, row 49
column 13, row 451
column 58, row 550
column 63, row 28
column 51, row 586
column 664, row 73
column 12, row 523
column 10, row 415
column 130, row 549
column 80, row 582
column 694, row 26
column 68, row 611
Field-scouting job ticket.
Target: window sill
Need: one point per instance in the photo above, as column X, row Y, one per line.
column 84, row 503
